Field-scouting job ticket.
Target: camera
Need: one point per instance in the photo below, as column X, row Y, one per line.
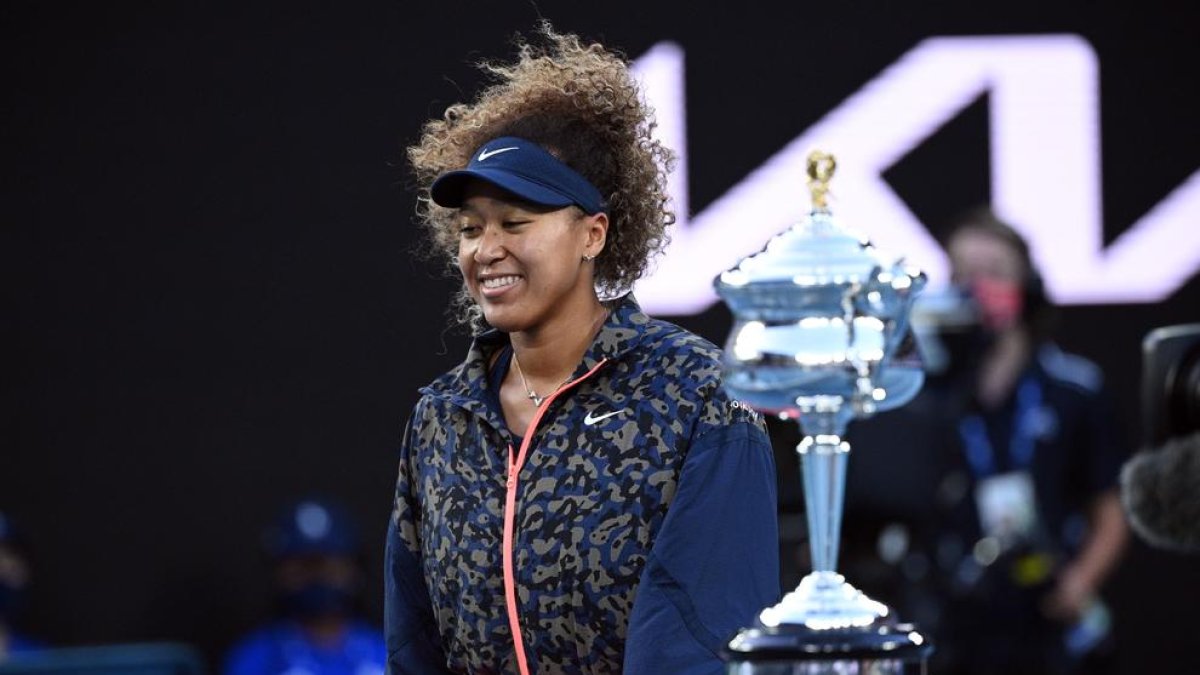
column 1160, row 486
column 1171, row 383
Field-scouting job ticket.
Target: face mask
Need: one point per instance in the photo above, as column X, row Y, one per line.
column 317, row 599
column 1000, row 303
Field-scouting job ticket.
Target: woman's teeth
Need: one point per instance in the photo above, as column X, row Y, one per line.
column 499, row 282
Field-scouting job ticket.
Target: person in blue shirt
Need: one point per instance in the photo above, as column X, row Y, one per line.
column 14, row 584
column 580, row 495
column 1037, row 449
column 318, row 580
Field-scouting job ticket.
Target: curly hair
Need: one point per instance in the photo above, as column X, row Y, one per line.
column 579, row 102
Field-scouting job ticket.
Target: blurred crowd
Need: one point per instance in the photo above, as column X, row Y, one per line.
column 316, row 556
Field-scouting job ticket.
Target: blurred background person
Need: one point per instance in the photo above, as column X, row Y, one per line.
column 1031, row 523
column 14, row 585
column 315, row 550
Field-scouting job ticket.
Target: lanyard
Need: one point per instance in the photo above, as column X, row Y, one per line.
column 978, row 447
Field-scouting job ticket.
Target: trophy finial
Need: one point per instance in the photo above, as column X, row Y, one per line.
column 821, row 166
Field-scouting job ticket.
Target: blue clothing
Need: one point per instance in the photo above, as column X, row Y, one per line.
column 645, row 526
column 20, row 646
column 283, row 648
column 1059, row 425
column 1058, row 428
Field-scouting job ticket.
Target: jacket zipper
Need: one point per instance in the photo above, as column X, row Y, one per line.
column 510, row 507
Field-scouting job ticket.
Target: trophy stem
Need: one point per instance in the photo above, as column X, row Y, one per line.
column 823, row 468
column 824, row 601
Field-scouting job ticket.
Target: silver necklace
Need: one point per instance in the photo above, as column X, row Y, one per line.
column 532, row 395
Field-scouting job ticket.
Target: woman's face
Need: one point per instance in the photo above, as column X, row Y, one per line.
column 976, row 256
column 523, row 264
column 994, row 272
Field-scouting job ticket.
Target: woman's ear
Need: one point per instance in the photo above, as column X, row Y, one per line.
column 597, row 233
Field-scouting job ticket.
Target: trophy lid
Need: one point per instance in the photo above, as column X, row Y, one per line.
column 816, row 252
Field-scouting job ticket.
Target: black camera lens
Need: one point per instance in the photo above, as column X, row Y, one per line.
column 1171, row 383
column 1183, row 393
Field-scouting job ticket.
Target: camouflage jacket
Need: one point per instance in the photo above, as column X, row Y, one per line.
column 643, row 516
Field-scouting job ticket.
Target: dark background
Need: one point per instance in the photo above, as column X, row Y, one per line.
column 211, row 301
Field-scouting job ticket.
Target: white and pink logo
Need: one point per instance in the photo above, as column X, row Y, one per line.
column 1044, row 131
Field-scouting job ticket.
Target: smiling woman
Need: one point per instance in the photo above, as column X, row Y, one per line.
column 516, row 256
column 580, row 103
column 579, row 495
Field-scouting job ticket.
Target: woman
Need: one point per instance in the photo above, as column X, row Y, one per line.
column 1035, row 443
column 579, row 495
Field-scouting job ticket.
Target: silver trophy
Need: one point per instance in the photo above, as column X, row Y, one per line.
column 821, row 335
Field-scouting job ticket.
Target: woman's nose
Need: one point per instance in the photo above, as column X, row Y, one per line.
column 490, row 246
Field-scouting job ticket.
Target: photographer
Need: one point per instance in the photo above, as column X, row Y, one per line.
column 1034, row 515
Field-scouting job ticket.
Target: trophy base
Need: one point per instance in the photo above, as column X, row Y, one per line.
column 824, row 601
column 881, row 649
column 827, row 627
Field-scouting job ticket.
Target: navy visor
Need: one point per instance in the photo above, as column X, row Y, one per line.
column 523, row 168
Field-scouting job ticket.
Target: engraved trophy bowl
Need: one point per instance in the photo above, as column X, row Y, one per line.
column 821, row 335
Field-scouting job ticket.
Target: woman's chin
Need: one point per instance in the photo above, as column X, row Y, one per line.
column 505, row 322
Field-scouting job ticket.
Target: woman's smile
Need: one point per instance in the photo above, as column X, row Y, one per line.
column 494, row 286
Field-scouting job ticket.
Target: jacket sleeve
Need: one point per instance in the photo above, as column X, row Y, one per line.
column 413, row 643
column 715, row 562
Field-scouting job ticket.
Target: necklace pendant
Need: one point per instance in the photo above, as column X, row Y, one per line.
column 537, row 400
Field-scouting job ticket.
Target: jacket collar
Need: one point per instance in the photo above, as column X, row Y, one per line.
column 622, row 331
